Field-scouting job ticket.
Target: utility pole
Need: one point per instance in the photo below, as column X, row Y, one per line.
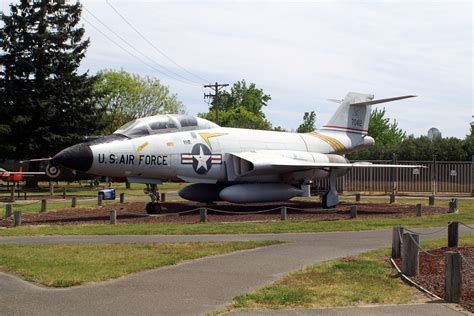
column 216, row 87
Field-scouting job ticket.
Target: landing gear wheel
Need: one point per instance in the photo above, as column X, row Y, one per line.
column 331, row 198
column 324, row 200
column 153, row 208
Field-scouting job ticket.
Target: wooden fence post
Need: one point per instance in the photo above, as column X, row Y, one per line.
column 99, row 199
column 453, row 277
column 203, row 215
column 163, row 197
column 17, row 218
column 113, row 217
column 354, row 211
column 410, row 254
column 283, row 214
column 44, row 206
column 453, row 205
column 122, row 197
column 397, row 234
column 419, row 208
column 431, row 200
column 8, row 210
column 392, row 198
column 453, row 234
column 73, row 201
column 357, row 197
column 12, row 194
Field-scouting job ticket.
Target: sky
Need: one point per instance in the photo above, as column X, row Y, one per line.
column 301, row 53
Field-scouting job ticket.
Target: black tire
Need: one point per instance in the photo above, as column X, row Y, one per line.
column 324, row 200
column 153, row 208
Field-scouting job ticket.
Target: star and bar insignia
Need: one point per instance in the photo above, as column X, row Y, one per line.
column 201, row 158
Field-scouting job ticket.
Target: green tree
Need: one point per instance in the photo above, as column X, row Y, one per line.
column 387, row 135
column 309, row 123
column 45, row 103
column 128, row 96
column 383, row 131
column 416, row 148
column 468, row 143
column 422, row 148
column 241, row 95
column 450, row 149
column 239, row 117
column 241, row 107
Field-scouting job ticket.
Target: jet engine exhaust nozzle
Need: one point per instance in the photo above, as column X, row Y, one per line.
column 77, row 157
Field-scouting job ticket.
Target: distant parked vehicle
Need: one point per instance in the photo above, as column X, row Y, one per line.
column 107, row 194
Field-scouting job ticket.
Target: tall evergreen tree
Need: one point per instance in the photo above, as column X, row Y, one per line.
column 45, row 103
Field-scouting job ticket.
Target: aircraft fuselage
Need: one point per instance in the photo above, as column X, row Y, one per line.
column 200, row 156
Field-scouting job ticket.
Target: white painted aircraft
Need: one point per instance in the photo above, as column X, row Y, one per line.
column 230, row 164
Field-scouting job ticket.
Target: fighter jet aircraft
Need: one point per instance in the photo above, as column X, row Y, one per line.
column 230, row 164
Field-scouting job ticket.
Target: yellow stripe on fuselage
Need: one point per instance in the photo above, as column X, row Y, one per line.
column 140, row 148
column 331, row 141
column 206, row 137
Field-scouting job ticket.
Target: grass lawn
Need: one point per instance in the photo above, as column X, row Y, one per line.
column 64, row 265
column 136, row 189
column 364, row 279
column 466, row 215
column 134, row 194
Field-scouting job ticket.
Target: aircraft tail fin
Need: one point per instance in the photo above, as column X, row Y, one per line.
column 353, row 113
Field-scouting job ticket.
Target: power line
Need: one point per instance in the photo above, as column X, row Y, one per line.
column 143, row 55
column 215, row 97
column 132, row 54
column 152, row 45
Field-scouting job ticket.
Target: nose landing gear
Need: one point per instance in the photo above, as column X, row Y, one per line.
column 153, row 207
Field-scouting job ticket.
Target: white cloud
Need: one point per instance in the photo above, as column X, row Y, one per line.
column 302, row 53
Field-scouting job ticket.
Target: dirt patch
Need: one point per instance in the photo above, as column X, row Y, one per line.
column 432, row 273
column 135, row 213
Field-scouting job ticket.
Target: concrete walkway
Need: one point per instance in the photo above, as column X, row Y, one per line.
column 431, row 309
column 190, row 288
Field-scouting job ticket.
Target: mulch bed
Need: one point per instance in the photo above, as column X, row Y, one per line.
column 432, row 273
column 134, row 212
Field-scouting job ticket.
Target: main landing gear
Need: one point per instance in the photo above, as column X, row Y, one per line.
column 154, row 207
column 331, row 198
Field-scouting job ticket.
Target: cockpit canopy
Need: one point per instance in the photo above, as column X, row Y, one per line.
column 166, row 123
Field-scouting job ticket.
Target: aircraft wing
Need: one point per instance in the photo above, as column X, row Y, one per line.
column 262, row 163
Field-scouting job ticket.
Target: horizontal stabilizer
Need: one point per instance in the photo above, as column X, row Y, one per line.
column 353, row 113
column 383, row 100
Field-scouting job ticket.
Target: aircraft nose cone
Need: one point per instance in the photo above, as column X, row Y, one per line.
column 77, row 157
